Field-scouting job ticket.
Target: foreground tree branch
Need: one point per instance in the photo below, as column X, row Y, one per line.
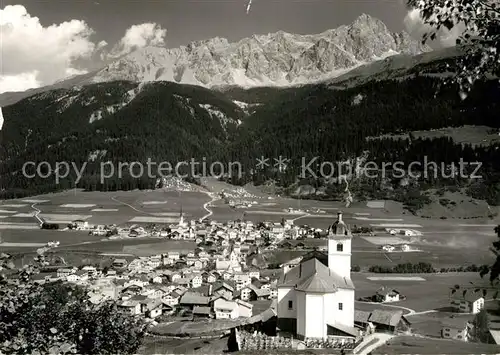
column 58, row 318
column 479, row 24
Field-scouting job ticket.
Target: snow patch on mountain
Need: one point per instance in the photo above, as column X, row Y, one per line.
column 214, row 112
column 356, row 100
column 242, row 105
column 95, row 116
column 392, row 67
column 186, row 103
column 112, row 109
column 91, row 100
column 66, row 101
column 1, row 119
column 247, row 108
column 59, row 143
column 97, row 154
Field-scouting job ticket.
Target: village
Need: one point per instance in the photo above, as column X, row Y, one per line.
column 226, row 287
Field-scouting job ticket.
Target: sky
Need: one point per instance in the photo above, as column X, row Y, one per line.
column 43, row 41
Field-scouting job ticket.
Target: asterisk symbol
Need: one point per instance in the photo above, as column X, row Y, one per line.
column 281, row 163
column 262, row 162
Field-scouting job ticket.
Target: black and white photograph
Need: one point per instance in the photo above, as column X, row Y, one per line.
column 250, row 176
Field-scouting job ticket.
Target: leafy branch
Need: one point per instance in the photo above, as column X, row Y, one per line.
column 58, row 318
column 478, row 22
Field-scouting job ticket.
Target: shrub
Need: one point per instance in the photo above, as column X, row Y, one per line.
column 58, row 318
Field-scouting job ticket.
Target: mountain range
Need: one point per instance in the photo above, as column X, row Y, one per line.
column 275, row 59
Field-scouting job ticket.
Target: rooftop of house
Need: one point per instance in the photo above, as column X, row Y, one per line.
column 201, row 310
column 361, row 316
column 259, row 292
column 128, row 304
column 183, row 281
column 457, row 322
column 190, row 298
column 295, row 261
column 262, row 317
column 203, row 290
column 139, row 298
column 495, row 334
column 383, row 291
column 245, row 304
column 386, row 317
column 225, row 305
column 314, row 276
column 218, row 285
column 351, row 331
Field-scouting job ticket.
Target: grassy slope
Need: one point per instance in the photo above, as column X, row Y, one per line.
column 414, row 345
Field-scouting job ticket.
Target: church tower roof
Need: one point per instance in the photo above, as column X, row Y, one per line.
column 339, row 228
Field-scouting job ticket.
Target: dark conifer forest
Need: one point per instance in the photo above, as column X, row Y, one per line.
column 172, row 122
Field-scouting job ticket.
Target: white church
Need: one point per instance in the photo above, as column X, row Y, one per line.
column 317, row 301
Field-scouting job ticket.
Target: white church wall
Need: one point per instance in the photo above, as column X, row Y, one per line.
column 301, row 312
column 285, row 295
column 344, row 316
column 340, row 262
column 331, row 305
column 315, row 320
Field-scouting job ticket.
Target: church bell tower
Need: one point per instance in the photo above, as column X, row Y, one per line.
column 339, row 248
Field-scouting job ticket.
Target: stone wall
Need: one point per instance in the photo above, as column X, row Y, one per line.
column 332, row 342
column 259, row 341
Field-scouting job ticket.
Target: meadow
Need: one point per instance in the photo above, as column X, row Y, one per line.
column 431, row 294
column 157, row 345
column 441, row 244
column 426, row 346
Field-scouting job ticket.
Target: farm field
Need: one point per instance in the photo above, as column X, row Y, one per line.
column 417, row 345
column 143, row 246
column 45, row 235
column 106, row 250
column 473, row 135
column 441, row 253
column 427, row 303
column 119, row 207
column 442, row 242
column 422, row 296
column 200, row 327
column 430, row 324
column 152, row 345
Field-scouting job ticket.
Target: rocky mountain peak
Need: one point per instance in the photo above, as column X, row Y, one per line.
column 276, row 59
column 365, row 20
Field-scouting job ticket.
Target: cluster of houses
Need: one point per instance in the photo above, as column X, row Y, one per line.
column 457, row 326
column 385, row 295
column 313, row 296
column 392, row 248
column 265, row 234
column 192, row 283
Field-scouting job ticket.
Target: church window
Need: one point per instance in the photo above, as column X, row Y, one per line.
column 341, row 306
column 340, row 247
column 290, row 304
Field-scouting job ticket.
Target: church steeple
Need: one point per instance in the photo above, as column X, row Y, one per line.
column 339, row 228
column 181, row 215
column 339, row 247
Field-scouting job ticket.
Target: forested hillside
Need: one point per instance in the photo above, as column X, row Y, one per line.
column 120, row 122
column 334, row 125
column 128, row 122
